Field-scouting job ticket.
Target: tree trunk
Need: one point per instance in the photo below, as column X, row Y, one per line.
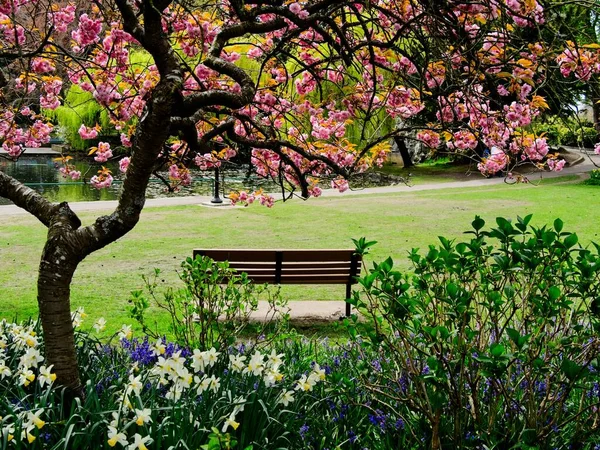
column 404, row 153
column 54, row 279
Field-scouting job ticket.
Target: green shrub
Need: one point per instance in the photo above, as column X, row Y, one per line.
column 492, row 342
column 570, row 133
column 212, row 309
column 594, row 179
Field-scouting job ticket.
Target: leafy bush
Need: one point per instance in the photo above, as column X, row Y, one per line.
column 492, row 342
column 212, row 309
column 594, row 179
column 569, row 132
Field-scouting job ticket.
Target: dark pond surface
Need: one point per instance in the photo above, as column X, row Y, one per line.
column 40, row 173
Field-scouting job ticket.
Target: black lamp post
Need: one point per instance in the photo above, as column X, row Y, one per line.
column 216, row 188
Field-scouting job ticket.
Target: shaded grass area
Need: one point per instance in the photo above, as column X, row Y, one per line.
column 167, row 235
column 433, row 171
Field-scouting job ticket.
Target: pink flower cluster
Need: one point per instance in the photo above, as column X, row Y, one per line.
column 68, row 171
column 180, row 175
column 555, row 165
column 494, row 164
column 103, row 152
column 341, row 184
column 42, row 65
column 87, row 32
column 245, row 199
column 581, row 62
column 102, row 181
column 87, row 132
column 297, row 9
column 124, row 164
column 430, row 138
column 62, row 18
column 526, row 12
column 11, row 34
column 462, row 140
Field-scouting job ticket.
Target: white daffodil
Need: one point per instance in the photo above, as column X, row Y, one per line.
column 139, row 442
column 236, row 363
column 211, row 357
column 78, row 316
column 125, row 332
column 214, row 383
column 100, row 325
column 230, row 422
column 26, row 434
column 177, row 361
column 174, row 393
column 198, row 362
column 305, row 383
column 255, row 365
column 271, row 377
column 115, row 436
column 202, row 384
column 143, row 416
column 274, row 360
column 184, row 377
column 30, row 358
column 318, row 372
column 33, row 419
column 135, row 384
column 286, row 398
column 46, row 376
column 8, row 432
column 159, row 348
column 4, row 369
column 26, row 376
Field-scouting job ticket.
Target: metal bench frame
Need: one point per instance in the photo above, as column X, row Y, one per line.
column 293, row 266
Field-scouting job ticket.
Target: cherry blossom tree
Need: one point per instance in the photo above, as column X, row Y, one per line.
column 197, row 82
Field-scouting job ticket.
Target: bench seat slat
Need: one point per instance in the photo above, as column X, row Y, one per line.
column 261, row 255
column 302, row 279
column 314, row 271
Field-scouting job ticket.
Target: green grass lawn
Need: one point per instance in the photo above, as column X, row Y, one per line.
column 167, row 235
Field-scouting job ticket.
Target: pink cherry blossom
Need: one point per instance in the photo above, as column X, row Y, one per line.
column 87, row 132
column 101, row 182
column 103, row 152
column 124, row 164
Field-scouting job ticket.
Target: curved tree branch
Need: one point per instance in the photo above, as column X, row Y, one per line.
column 27, row 198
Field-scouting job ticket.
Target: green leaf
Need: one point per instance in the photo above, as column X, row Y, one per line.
column 572, row 370
column 497, row 350
column 571, row 240
column 554, row 293
column 558, row 225
column 478, row 223
column 452, row 290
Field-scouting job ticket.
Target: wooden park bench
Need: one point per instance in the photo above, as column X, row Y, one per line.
column 293, row 266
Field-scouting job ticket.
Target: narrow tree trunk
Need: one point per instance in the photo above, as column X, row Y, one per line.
column 404, row 153
column 55, row 274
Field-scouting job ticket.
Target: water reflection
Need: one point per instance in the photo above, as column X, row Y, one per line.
column 40, row 173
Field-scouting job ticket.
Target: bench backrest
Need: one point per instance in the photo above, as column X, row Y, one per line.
column 291, row 266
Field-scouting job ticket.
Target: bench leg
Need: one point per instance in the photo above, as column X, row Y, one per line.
column 348, row 295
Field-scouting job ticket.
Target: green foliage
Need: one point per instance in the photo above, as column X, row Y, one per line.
column 594, row 179
column 495, row 338
column 572, row 133
column 79, row 108
column 212, row 309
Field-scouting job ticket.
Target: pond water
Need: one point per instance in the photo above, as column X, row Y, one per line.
column 41, row 174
